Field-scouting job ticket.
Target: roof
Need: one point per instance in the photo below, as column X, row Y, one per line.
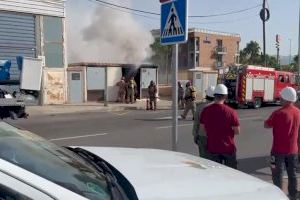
column 156, row 32
column 124, row 65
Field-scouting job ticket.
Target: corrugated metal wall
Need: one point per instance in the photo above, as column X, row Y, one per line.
column 41, row 7
column 17, row 38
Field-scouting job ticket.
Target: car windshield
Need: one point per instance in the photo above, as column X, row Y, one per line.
column 51, row 162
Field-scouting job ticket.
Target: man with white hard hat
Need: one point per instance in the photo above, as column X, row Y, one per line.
column 285, row 123
column 199, row 136
column 221, row 124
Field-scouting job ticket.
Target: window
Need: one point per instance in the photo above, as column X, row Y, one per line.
column 197, row 59
column 53, row 163
column 197, row 44
column 53, row 36
column 9, row 194
column 287, row 79
column 237, row 47
column 219, row 43
column 281, row 78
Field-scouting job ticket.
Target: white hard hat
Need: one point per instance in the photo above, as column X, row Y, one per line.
column 289, row 94
column 221, row 89
column 210, row 91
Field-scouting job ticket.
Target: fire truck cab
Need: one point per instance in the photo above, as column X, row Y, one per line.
column 254, row 85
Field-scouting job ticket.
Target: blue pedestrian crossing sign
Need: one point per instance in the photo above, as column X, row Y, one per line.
column 174, row 17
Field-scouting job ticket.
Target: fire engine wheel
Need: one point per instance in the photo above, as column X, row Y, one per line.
column 257, row 103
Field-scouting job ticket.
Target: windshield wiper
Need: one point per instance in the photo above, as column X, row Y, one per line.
column 100, row 165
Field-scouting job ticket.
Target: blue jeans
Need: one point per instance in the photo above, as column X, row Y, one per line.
column 278, row 163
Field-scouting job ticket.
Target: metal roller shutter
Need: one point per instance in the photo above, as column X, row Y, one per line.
column 17, row 38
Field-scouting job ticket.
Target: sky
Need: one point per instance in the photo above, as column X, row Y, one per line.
column 284, row 18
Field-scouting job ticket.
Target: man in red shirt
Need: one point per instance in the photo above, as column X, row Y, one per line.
column 285, row 123
column 221, row 124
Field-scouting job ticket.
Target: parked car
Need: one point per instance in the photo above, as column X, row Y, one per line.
column 33, row 168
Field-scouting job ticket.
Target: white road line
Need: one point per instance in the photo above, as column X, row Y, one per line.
column 165, row 127
column 183, row 125
column 80, row 136
column 249, row 118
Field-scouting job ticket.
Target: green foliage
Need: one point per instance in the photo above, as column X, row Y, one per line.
column 161, row 54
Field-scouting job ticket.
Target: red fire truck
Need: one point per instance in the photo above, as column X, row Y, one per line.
column 253, row 85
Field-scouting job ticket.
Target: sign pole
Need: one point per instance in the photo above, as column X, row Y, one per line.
column 175, row 100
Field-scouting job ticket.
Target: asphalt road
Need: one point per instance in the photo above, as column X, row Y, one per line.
column 148, row 129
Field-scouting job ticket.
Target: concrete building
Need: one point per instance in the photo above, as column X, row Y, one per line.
column 36, row 29
column 93, row 82
column 200, row 58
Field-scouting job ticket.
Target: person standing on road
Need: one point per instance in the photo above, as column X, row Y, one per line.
column 122, row 90
column 152, row 92
column 190, row 97
column 180, row 95
column 221, row 124
column 199, row 136
column 285, row 123
column 131, row 88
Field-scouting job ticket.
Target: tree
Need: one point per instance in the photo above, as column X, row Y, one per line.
column 161, row 56
column 251, row 54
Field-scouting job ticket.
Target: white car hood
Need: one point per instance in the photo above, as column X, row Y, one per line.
column 159, row 175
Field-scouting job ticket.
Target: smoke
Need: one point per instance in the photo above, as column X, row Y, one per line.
column 111, row 36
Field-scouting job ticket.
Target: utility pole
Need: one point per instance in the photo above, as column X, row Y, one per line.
column 264, row 32
column 278, row 49
column 290, row 58
column 299, row 50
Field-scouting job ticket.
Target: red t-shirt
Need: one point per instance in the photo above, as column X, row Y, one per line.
column 218, row 120
column 285, row 123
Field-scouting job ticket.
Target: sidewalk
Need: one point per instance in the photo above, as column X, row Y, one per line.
column 93, row 107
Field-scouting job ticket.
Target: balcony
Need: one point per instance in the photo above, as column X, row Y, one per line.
column 221, row 50
column 219, row 64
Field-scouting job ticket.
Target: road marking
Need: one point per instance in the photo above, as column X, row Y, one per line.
column 80, row 136
column 183, row 125
column 165, row 127
column 249, row 118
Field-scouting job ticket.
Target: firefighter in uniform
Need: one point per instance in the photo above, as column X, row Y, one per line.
column 122, row 90
column 285, row 123
column 180, row 95
column 131, row 88
column 190, row 97
column 221, row 124
column 152, row 92
column 199, row 136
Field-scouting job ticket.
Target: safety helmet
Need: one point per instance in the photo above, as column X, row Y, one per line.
column 289, row 94
column 210, row 91
column 221, row 89
column 188, row 84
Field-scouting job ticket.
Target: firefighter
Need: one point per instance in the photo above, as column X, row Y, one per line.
column 285, row 123
column 152, row 92
column 122, row 90
column 199, row 136
column 180, row 95
column 220, row 124
column 131, row 88
column 190, row 97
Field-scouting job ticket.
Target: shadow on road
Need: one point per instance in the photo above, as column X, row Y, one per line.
column 252, row 165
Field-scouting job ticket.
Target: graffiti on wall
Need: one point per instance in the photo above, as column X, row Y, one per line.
column 55, row 88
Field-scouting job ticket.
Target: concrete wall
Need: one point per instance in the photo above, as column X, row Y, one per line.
column 54, row 86
column 114, row 75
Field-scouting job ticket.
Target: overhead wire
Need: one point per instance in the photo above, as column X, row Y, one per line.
column 121, row 9
column 192, row 16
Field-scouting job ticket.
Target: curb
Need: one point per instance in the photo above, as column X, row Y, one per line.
column 99, row 109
